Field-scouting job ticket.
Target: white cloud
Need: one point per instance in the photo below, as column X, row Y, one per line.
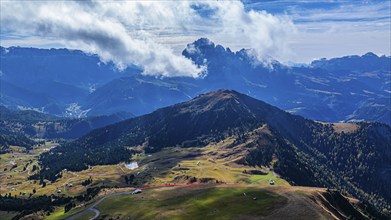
column 266, row 34
column 101, row 32
column 142, row 33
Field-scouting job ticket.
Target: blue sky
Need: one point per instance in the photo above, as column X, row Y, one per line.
column 153, row 33
column 334, row 28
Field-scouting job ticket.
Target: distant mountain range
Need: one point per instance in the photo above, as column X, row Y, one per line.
column 352, row 157
column 75, row 84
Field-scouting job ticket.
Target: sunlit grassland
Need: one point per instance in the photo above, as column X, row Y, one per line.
column 16, row 182
column 86, row 215
column 59, row 214
column 166, row 166
column 169, row 164
column 195, row 202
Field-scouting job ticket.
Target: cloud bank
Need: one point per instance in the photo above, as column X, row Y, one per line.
column 143, row 33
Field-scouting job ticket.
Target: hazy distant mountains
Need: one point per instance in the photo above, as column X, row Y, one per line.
column 72, row 83
column 19, row 127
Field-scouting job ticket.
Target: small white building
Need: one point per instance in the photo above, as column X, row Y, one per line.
column 131, row 165
column 272, row 182
column 59, row 191
column 137, row 191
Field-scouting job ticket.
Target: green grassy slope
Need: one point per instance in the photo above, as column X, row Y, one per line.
column 194, row 203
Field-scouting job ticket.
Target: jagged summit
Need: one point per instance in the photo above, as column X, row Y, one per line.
column 204, row 48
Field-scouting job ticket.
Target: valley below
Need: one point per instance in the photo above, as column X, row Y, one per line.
column 176, row 183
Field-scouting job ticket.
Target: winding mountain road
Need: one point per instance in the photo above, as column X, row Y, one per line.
column 93, row 209
column 97, row 213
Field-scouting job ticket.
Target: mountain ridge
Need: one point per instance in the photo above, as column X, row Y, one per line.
column 308, row 153
column 350, row 88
